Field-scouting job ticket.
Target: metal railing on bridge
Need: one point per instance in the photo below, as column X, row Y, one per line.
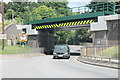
column 106, row 7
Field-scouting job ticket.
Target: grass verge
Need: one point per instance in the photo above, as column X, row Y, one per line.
column 14, row 49
column 111, row 52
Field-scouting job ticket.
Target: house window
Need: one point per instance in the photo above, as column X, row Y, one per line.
column 24, row 30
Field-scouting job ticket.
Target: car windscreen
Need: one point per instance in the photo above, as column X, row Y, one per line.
column 61, row 48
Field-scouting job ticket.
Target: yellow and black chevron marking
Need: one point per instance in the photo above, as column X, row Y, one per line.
column 65, row 24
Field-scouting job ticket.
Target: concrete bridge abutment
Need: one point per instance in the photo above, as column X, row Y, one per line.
column 105, row 31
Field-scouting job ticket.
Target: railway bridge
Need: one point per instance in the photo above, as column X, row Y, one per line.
column 93, row 17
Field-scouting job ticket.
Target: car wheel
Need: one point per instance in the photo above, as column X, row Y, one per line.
column 68, row 57
column 53, row 57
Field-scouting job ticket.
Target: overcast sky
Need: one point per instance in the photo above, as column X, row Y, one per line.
column 76, row 3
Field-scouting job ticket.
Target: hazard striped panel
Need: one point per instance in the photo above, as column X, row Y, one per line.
column 64, row 24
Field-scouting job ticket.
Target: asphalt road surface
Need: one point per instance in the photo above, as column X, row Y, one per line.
column 46, row 67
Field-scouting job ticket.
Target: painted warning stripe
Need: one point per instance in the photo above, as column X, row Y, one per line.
column 64, row 24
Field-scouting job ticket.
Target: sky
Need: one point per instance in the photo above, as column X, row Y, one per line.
column 76, row 3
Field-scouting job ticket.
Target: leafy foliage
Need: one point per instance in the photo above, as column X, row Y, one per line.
column 41, row 12
column 118, row 7
column 73, row 36
column 19, row 10
column 113, row 1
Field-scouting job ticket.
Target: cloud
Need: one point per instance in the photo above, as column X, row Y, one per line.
column 76, row 3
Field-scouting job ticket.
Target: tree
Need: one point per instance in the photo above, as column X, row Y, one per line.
column 60, row 38
column 41, row 12
column 83, row 35
column 65, row 37
column 118, row 7
column 0, row 7
column 73, row 36
column 21, row 9
column 117, row 2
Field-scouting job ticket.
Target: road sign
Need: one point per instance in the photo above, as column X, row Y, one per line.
column 3, row 36
column 23, row 37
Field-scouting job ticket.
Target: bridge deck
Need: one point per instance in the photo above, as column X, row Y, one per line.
column 67, row 18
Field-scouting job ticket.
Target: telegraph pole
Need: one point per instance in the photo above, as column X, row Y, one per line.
column 3, row 24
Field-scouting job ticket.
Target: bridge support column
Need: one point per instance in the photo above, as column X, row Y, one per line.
column 46, row 40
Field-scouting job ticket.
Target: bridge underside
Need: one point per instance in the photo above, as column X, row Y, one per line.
column 75, row 27
column 46, row 37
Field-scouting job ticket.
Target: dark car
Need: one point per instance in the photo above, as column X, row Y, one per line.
column 62, row 51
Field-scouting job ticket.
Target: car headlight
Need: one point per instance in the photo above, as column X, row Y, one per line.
column 66, row 53
column 54, row 53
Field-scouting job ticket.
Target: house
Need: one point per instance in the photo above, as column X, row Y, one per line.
column 14, row 30
column 12, row 34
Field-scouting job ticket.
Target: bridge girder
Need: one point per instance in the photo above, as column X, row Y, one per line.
column 75, row 27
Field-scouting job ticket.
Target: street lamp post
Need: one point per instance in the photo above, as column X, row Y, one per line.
column 3, row 24
column 12, row 12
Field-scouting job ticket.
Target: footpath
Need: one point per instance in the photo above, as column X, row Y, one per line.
column 100, row 62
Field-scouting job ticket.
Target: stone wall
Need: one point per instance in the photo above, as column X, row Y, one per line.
column 99, row 38
column 33, row 41
column 112, row 33
column 107, row 37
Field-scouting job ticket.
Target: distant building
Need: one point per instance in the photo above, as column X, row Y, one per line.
column 14, row 30
column 12, row 34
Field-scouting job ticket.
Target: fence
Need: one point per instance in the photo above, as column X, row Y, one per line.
column 102, row 52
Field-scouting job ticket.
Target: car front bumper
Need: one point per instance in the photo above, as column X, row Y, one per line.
column 63, row 56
